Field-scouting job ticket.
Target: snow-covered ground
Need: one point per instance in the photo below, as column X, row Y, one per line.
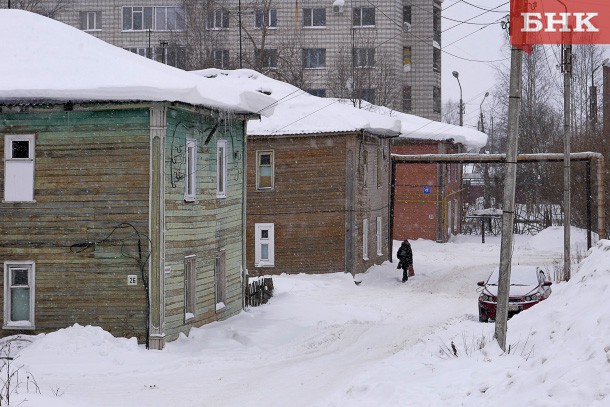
column 324, row 341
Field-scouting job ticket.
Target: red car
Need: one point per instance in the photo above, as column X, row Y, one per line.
column 528, row 286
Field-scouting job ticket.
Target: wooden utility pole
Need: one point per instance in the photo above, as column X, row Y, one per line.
column 508, row 216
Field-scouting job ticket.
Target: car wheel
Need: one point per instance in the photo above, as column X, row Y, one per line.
column 482, row 318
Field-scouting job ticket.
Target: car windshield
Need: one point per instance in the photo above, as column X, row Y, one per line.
column 518, row 276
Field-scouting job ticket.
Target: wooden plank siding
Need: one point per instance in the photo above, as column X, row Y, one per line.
column 91, row 175
column 206, row 226
column 310, row 205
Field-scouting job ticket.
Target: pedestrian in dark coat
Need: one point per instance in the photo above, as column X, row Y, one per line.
column 405, row 259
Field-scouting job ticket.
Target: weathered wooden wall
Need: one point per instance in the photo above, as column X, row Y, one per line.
column 91, row 177
column 204, row 227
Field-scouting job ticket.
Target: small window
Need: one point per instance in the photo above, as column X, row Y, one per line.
column 221, row 169
column 314, row 58
column 264, row 250
column 364, row 17
column 365, row 239
column 314, row 17
column 379, row 237
column 262, row 19
column 19, row 295
column 190, row 176
column 220, row 280
column 269, row 58
column 264, row 170
column 220, row 58
column 218, row 19
column 406, row 59
column 90, row 20
column 19, row 168
column 190, row 277
column 363, row 57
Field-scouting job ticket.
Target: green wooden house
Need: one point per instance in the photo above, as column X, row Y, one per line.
column 122, row 187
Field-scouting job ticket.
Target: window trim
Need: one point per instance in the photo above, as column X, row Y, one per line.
column 8, row 323
column 221, row 169
column 258, row 241
column 190, row 175
column 271, row 165
column 190, row 291
column 9, row 161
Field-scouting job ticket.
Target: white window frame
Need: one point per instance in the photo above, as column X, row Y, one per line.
column 365, row 239
column 190, row 174
column 19, row 172
column 190, row 291
column 221, row 169
column 259, row 241
column 379, row 236
column 8, row 322
column 220, row 280
column 258, row 166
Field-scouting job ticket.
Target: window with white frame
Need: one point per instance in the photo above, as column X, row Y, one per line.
column 91, row 20
column 19, row 295
column 19, row 167
column 379, row 236
column 218, row 19
column 265, row 178
column 221, row 169
column 153, row 18
column 190, row 277
column 365, row 239
column 190, row 176
column 314, row 58
column 220, row 280
column 264, row 249
column 314, row 17
column 265, row 19
column 364, row 17
column 363, row 57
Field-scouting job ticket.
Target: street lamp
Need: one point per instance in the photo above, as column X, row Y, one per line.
column 456, row 74
column 481, row 110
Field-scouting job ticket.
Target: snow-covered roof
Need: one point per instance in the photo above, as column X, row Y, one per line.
column 45, row 60
column 298, row 112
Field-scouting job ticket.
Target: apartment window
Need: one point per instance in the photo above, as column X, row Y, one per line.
column 262, row 19
column 190, row 276
column 314, row 58
column 221, row 169
column 269, row 58
column 218, row 19
column 264, row 170
column 365, row 239
column 380, row 167
column 19, row 295
column 436, row 99
column 406, row 59
column 379, row 236
column 19, row 168
column 169, row 19
column 406, row 98
column 436, row 59
column 190, row 175
column 363, row 57
column 366, row 95
column 220, row 280
column 220, row 58
column 364, row 17
column 317, row 92
column 91, row 20
column 365, row 168
column 314, row 17
column 264, row 250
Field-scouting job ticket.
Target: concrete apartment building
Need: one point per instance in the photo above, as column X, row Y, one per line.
column 383, row 51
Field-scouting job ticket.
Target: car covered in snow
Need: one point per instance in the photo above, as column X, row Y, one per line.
column 528, row 286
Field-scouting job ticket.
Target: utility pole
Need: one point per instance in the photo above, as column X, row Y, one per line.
column 508, row 216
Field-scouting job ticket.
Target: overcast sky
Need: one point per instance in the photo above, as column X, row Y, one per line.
column 472, row 42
